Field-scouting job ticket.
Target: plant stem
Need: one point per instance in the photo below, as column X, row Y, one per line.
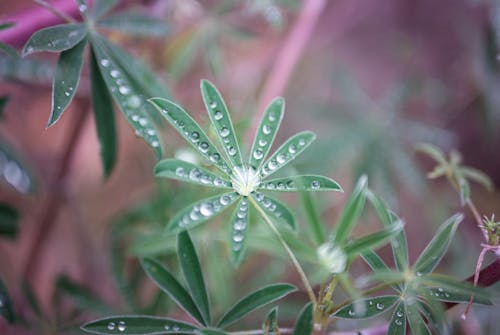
column 54, row 10
column 295, row 262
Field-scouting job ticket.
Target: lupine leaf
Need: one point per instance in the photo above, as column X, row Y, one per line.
column 188, row 172
column 191, row 268
column 372, row 307
column 55, row 39
column 351, row 212
column 104, row 117
column 8, row 50
column 316, row 227
column 190, row 131
column 9, row 218
column 219, row 115
column 464, row 187
column 127, row 95
column 452, row 296
column 305, row 321
column 270, row 325
column 167, row 283
column 255, row 300
column 301, row 183
column 392, row 277
column 377, row 264
column 434, row 314
column 372, row 241
column 397, row 325
column 101, row 7
column 239, row 228
column 6, row 309
column 458, row 287
column 66, row 80
column 433, row 152
column 83, row 8
column 266, row 132
column 6, row 25
column 477, row 176
column 210, row 332
column 132, row 23
column 137, row 325
column 417, row 323
column 287, row 152
column 81, row 296
column 276, row 209
column 437, row 247
column 200, row 212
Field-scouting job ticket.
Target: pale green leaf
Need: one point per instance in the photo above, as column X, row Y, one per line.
column 305, row 321
column 397, row 324
column 417, row 323
column 8, row 50
column 81, row 296
column 133, row 23
column 433, row 152
column 301, row 183
column 478, row 176
column 210, row 332
column 239, row 228
column 314, row 223
column 56, row 38
column 101, row 7
column 464, row 187
column 372, row 241
column 370, row 307
column 275, row 209
column 137, row 325
column 458, row 288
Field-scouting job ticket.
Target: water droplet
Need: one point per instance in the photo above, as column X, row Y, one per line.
column 302, row 142
column 419, row 274
column 238, row 237
column 179, row 171
column 241, row 214
column 135, row 118
column 114, row 73
column 292, row 149
column 259, row 196
column 281, row 158
column 155, row 144
column 195, row 136
column 224, row 200
column 67, row 93
column 398, row 322
column 219, row 182
column 124, row 90
column 237, row 246
column 399, row 314
column 272, row 165
column 203, row 147
column 151, row 132
column 111, row 326
column 194, row 174
column 143, row 121
column 176, row 328
column 262, row 142
column 224, row 132
column 270, row 186
column 194, row 215
column 281, row 186
column 315, row 185
column 218, row 115
column 272, row 117
column 240, row 225
column 206, row 209
column 231, row 151
column 105, row 62
column 122, row 326
column 440, row 289
column 258, row 154
column 214, row 157
column 82, row 8
column 213, row 104
column 380, row 306
column 351, row 312
column 167, row 327
column 266, row 129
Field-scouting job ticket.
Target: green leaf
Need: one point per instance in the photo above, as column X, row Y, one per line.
column 448, row 295
column 82, row 8
column 397, row 325
column 276, row 209
column 305, row 321
column 126, row 94
column 372, row 241
column 9, row 218
column 434, row 314
column 417, row 323
column 188, row 172
column 255, row 300
column 459, row 288
column 55, row 39
column 104, row 117
column 6, row 309
column 167, row 283
column 270, row 325
column 433, row 152
column 210, row 332
column 132, row 23
column 8, row 50
column 372, row 307
column 221, row 120
column 200, row 212
column 464, row 187
column 137, row 325
column 66, row 80
column 3, row 102
column 190, row 131
column 390, row 277
column 239, row 228
column 287, row 152
column 377, row 264
column 351, row 212
column 314, row 224
column 81, row 296
column 477, row 176
column 6, row 25
column 301, row 183
column 437, row 247
column 191, row 268
column 266, row 132
column 101, row 7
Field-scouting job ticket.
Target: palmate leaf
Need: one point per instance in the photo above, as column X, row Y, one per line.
column 301, row 183
column 200, row 212
column 239, row 228
column 270, row 325
column 372, row 307
column 220, row 118
column 437, row 247
column 6, row 309
column 101, row 7
column 448, row 295
column 167, row 283
column 190, row 131
column 191, row 268
column 55, row 39
column 397, row 325
column 314, row 223
column 253, row 301
column 133, row 23
column 276, row 209
column 266, row 132
column 138, row 325
column 305, row 321
column 188, row 172
column 459, row 288
column 287, row 152
column 104, row 117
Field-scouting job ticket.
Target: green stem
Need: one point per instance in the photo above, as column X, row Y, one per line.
column 295, row 262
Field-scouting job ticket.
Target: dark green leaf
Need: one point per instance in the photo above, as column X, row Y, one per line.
column 210, row 332
column 276, row 209
column 81, row 296
column 314, row 224
column 138, row 325
column 8, row 50
column 132, row 23
column 372, row 241
column 6, row 309
column 305, row 321
column 372, row 307
column 270, row 325
column 3, row 101
column 191, row 268
column 9, row 218
column 253, row 301
column 397, row 325
column 66, row 80
column 239, row 228
column 437, row 247
column 377, row 264
column 417, row 323
column 101, row 7
column 351, row 212
column 301, row 183
column 165, row 281
column 104, row 117
column 55, row 39
column 434, row 314
column 448, row 295
column 6, row 25
column 457, row 288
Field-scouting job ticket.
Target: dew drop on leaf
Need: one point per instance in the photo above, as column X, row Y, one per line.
column 315, row 185
column 122, row 326
column 111, row 326
column 218, row 115
column 380, row 306
column 224, row 132
column 266, row 129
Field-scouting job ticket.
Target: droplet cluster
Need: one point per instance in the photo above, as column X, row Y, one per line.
column 206, row 209
column 240, row 225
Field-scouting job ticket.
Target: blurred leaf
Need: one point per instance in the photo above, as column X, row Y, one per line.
column 167, row 283
column 6, row 309
column 464, row 187
column 3, row 101
column 138, row 324
column 191, row 268
column 8, row 50
column 132, row 23
column 24, row 70
column 6, row 25
column 9, row 220
column 397, row 324
column 372, row 241
column 301, row 183
column 458, row 287
column 81, row 296
column 305, row 321
column 104, row 117
column 372, row 307
column 437, row 247
column 276, row 209
column 13, row 170
column 255, row 300
column 270, row 325
column 314, row 224
column 210, row 332
column 66, row 79
column 101, row 7
column 31, row 298
column 56, row 38
column 417, row 323
column 433, row 152
column 478, row 176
